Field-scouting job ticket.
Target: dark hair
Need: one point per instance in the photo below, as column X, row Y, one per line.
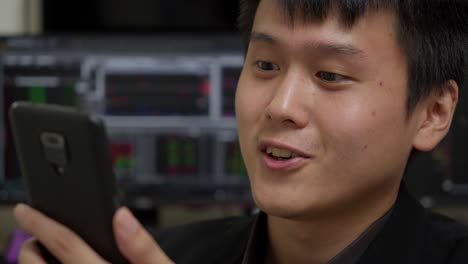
column 432, row 33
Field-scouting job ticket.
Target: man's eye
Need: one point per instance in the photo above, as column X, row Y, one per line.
column 266, row 66
column 330, row 77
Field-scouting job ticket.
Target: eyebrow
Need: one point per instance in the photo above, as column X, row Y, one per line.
column 325, row 47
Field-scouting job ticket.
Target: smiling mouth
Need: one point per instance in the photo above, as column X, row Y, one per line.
column 280, row 154
column 279, row 157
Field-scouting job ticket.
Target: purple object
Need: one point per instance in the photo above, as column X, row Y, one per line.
column 12, row 250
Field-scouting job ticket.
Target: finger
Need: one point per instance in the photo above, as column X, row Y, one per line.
column 30, row 253
column 134, row 241
column 58, row 239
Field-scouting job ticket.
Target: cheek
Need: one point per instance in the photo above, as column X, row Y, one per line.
column 251, row 101
column 353, row 127
column 366, row 133
column 248, row 110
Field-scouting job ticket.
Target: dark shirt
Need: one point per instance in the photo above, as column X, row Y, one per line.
column 255, row 251
column 410, row 235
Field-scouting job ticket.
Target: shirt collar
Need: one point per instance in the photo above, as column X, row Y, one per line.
column 255, row 251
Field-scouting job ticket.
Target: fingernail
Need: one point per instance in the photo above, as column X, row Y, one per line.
column 20, row 210
column 126, row 223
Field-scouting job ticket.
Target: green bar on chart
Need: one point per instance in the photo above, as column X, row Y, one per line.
column 37, row 94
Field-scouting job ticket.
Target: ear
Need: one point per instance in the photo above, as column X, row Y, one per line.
column 435, row 117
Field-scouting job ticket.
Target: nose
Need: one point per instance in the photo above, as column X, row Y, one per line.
column 288, row 105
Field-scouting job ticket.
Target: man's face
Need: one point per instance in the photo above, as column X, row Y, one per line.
column 321, row 113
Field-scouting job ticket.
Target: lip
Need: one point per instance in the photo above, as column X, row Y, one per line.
column 270, row 143
column 284, row 165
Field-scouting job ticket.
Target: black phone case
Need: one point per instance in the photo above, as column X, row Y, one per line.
column 82, row 194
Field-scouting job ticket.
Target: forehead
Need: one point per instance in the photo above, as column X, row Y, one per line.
column 374, row 31
column 348, row 11
column 345, row 12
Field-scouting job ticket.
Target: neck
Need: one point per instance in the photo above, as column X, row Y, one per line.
column 319, row 239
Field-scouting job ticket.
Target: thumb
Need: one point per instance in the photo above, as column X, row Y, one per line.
column 134, row 241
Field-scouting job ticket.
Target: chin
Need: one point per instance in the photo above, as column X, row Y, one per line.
column 279, row 206
column 285, row 211
column 294, row 203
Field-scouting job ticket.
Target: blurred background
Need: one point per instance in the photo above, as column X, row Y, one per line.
column 162, row 74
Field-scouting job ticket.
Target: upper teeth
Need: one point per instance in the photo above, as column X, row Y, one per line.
column 280, row 153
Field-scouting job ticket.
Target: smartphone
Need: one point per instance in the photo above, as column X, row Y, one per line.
column 66, row 166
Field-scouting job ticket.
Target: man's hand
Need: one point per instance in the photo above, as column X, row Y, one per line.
column 132, row 239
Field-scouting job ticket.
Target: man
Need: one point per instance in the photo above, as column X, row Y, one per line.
column 333, row 98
